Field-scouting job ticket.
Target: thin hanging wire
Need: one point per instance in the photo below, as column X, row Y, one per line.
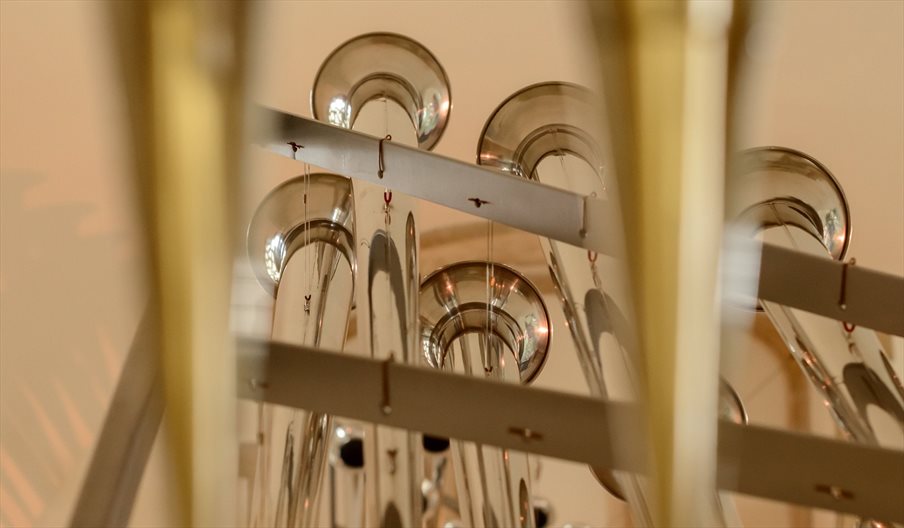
column 308, row 260
column 387, row 218
column 488, row 362
column 385, row 116
column 784, row 226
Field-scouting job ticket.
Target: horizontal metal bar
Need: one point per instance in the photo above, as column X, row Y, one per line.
column 535, row 207
column 874, row 300
column 812, row 471
column 779, row 465
column 435, row 402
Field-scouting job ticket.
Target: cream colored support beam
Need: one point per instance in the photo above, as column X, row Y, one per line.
column 125, row 440
column 564, row 215
column 872, row 299
column 875, row 300
column 778, row 465
column 183, row 71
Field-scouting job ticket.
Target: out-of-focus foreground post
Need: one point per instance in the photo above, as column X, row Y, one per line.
column 183, row 66
column 665, row 68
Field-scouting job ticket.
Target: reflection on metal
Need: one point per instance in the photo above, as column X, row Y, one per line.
column 555, row 119
column 284, row 223
column 546, row 119
column 730, row 408
column 440, row 179
column 301, row 247
column 384, row 65
column 392, row 68
column 487, row 321
column 454, row 303
column 795, row 201
column 347, row 476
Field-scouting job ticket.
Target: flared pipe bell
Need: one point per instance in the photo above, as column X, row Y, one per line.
column 543, row 119
column 505, row 313
column 278, row 227
column 384, row 65
column 778, row 186
column 453, row 302
column 300, row 244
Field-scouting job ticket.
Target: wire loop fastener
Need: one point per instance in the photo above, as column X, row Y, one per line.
column 381, row 165
column 526, row 433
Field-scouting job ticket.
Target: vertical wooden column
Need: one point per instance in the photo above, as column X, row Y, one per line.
column 183, row 67
column 666, row 79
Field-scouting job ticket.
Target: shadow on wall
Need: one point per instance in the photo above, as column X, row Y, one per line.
column 69, row 304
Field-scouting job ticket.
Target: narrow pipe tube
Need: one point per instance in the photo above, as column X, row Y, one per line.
column 486, row 320
column 301, row 246
column 394, row 68
column 347, row 478
column 555, row 119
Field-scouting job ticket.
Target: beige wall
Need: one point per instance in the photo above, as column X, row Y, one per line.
column 831, row 83
column 71, row 290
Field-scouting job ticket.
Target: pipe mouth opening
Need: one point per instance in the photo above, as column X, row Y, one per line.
column 783, row 193
column 283, row 224
column 384, row 65
column 541, row 120
column 454, row 303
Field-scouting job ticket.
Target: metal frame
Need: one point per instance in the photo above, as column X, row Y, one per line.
column 833, row 475
column 873, row 299
column 870, row 298
column 753, row 460
column 565, row 216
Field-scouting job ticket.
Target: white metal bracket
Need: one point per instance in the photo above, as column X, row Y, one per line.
column 829, row 474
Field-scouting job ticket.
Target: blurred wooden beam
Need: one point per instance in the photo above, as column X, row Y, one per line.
column 665, row 73
column 183, row 69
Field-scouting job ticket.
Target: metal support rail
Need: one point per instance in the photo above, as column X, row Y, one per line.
column 873, row 299
column 565, row 215
column 827, row 473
